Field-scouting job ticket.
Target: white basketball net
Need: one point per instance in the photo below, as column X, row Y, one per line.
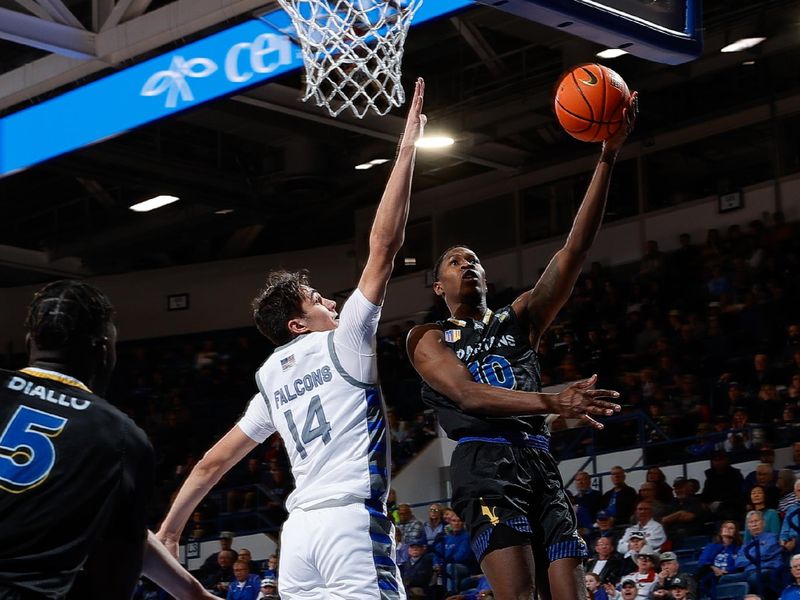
column 353, row 50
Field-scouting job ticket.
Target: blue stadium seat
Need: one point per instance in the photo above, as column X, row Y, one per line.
column 732, row 591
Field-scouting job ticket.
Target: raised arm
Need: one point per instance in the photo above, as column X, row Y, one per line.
column 438, row 365
column 388, row 229
column 540, row 306
column 228, row 451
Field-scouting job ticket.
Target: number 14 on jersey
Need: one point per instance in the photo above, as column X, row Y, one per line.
column 311, row 431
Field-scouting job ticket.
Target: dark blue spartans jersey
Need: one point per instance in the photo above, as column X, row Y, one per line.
column 74, row 470
column 497, row 352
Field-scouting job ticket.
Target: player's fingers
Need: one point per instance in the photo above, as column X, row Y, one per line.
column 605, row 405
column 596, row 409
column 603, row 393
column 587, row 420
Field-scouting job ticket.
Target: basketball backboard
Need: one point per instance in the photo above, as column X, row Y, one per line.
column 666, row 31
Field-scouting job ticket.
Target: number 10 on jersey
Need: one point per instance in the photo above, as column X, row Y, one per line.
column 310, row 431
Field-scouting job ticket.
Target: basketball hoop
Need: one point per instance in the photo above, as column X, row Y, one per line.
column 353, row 50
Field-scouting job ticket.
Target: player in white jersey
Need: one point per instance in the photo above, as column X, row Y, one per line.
column 319, row 390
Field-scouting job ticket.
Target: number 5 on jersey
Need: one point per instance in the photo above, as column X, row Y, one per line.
column 26, row 452
column 310, row 432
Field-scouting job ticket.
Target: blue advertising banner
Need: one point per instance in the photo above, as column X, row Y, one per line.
column 214, row 67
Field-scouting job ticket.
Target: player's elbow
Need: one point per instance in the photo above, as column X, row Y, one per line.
column 210, row 467
column 388, row 245
column 465, row 399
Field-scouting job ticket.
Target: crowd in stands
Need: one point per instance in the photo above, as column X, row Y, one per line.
column 703, row 343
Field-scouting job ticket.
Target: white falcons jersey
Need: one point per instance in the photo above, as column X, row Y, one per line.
column 333, row 423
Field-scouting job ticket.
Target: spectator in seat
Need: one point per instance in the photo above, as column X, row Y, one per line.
column 719, row 557
column 629, row 590
column 723, row 484
column 606, row 562
column 594, row 587
column 646, row 575
column 271, row 570
column 417, row 571
column 790, row 528
column 458, row 561
column 685, row 514
column 647, row 493
column 766, row 477
column 245, row 586
column 636, row 544
column 668, row 574
column 654, row 533
column 604, row 527
column 218, row 579
column 434, row 526
column 772, row 521
column 620, row 500
column 659, row 480
column 792, row 591
column 211, row 564
column 587, row 499
column 758, row 563
column 409, row 525
column 269, row 589
column 679, row 589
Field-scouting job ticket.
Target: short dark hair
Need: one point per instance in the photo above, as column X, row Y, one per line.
column 278, row 302
column 67, row 313
column 440, row 260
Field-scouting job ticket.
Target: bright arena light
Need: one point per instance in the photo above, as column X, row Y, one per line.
column 153, row 203
column 435, row 141
column 743, row 44
column 378, row 161
column 610, row 53
column 363, row 166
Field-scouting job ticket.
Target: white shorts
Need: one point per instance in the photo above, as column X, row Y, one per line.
column 339, row 553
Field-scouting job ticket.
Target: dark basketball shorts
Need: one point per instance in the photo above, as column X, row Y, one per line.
column 512, row 495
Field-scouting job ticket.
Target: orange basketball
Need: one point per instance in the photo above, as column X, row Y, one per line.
column 589, row 101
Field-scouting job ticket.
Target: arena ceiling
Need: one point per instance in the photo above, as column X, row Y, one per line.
column 262, row 172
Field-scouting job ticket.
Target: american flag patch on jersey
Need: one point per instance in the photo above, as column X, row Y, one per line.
column 288, row 362
column 452, row 335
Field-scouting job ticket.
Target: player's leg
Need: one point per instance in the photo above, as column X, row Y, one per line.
column 510, row 572
column 299, row 578
column 566, row 579
column 563, row 549
column 357, row 561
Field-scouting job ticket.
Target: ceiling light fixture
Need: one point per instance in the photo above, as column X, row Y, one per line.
column 435, row 141
column 363, row 166
column 610, row 53
column 223, row 211
column 378, row 161
column 743, row 44
column 153, row 203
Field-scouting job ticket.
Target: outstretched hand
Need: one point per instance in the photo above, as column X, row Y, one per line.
column 629, row 115
column 415, row 124
column 579, row 400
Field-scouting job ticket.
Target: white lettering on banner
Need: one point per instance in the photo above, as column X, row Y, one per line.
column 276, row 47
column 266, row 53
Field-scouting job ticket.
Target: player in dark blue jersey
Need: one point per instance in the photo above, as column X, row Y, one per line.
column 75, row 472
column 506, row 485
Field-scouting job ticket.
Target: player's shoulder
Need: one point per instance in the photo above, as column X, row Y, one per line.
column 418, row 331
